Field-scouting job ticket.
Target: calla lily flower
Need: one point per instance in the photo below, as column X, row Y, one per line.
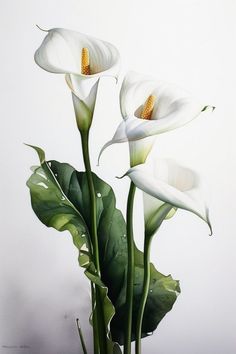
column 67, row 52
column 171, row 108
column 168, row 186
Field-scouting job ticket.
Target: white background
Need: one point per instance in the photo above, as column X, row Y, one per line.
column 188, row 42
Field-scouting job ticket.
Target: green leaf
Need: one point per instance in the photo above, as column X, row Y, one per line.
column 40, row 152
column 51, row 186
column 162, row 296
column 64, row 205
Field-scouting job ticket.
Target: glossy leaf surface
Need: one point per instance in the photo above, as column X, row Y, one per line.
column 60, row 199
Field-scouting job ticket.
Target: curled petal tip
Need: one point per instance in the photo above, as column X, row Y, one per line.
column 103, row 148
column 208, row 108
column 208, row 222
column 211, row 231
column 120, row 177
column 99, row 157
column 211, row 108
column 41, row 29
column 98, row 160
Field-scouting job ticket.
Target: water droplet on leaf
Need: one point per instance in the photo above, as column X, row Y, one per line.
column 84, row 248
column 42, row 184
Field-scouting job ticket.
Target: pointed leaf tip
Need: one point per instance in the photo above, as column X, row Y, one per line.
column 40, row 152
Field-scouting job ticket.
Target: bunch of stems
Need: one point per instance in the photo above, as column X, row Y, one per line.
column 99, row 328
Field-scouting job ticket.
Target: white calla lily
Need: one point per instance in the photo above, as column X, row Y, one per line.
column 168, row 186
column 60, row 52
column 173, row 108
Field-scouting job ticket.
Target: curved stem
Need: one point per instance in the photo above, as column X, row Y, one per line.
column 92, row 196
column 98, row 308
column 81, row 337
column 130, row 269
column 145, row 291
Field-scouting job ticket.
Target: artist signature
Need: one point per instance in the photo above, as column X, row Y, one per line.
column 23, row 346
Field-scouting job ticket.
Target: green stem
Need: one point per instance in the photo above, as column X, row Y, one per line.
column 130, row 269
column 96, row 348
column 145, row 291
column 81, row 337
column 92, row 196
column 99, row 314
column 150, row 229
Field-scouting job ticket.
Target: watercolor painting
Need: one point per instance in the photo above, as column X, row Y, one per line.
column 122, row 177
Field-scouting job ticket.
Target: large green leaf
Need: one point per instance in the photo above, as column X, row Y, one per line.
column 53, row 210
column 50, row 201
column 163, row 293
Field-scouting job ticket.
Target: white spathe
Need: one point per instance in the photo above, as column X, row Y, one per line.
column 165, row 181
column 60, row 53
column 173, row 108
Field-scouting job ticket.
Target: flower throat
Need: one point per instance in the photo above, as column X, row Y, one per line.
column 148, row 105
